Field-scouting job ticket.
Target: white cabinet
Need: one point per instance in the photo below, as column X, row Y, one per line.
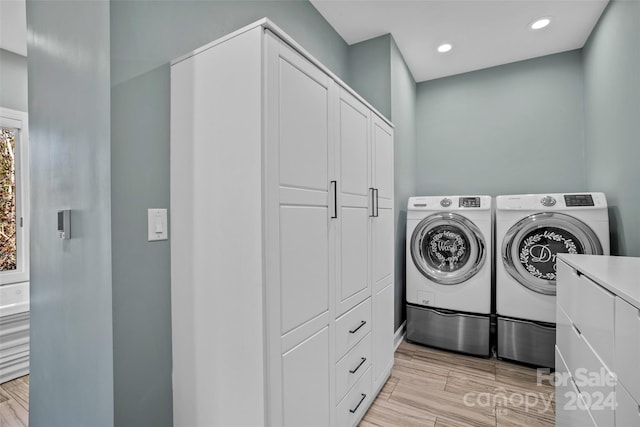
column 353, row 145
column 282, row 238
column 627, row 347
column 382, row 334
column 305, row 382
column 598, row 341
column 382, row 177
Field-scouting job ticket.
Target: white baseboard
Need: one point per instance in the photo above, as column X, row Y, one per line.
column 400, row 333
column 14, row 346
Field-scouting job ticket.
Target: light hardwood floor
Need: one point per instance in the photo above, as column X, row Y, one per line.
column 427, row 388
column 14, row 403
column 433, row 388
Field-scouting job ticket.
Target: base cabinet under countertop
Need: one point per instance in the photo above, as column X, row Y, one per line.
column 598, row 341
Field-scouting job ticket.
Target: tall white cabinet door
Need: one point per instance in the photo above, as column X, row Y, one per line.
column 382, row 222
column 300, row 229
column 353, row 172
column 382, row 333
column 306, row 382
column 382, row 237
column 299, row 120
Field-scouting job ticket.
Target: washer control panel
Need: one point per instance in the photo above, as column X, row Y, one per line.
column 446, row 202
column 548, row 201
column 469, row 202
column 573, row 200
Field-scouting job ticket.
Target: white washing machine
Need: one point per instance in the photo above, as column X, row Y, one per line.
column 530, row 230
column 448, row 277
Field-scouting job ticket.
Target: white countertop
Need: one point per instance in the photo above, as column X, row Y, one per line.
column 618, row 274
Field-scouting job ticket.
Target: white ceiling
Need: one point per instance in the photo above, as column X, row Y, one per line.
column 484, row 33
column 13, row 26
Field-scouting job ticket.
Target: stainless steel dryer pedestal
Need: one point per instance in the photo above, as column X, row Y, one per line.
column 527, row 342
column 449, row 330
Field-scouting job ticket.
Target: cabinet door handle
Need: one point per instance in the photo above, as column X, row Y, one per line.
column 576, row 328
column 362, row 360
column 353, row 411
column 334, row 190
column 353, row 331
column 376, row 191
column 372, row 202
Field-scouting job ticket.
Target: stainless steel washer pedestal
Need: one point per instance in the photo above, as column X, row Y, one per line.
column 527, row 342
column 449, row 330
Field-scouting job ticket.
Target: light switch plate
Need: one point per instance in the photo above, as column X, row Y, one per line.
column 158, row 228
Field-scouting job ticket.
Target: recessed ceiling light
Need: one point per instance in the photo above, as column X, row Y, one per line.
column 445, row 47
column 540, row 23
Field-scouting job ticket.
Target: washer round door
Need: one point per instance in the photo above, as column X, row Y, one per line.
column 447, row 248
column 530, row 247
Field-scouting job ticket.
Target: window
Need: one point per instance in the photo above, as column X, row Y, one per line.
column 14, row 197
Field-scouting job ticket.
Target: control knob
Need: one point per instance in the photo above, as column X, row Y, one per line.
column 548, row 201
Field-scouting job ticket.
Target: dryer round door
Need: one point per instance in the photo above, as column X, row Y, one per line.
column 530, row 247
column 447, row 248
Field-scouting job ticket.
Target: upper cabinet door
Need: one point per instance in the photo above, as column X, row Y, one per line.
column 382, row 234
column 304, row 107
column 353, row 171
column 383, row 161
column 298, row 121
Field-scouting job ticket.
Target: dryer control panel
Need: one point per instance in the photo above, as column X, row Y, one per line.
column 572, row 200
column 469, row 202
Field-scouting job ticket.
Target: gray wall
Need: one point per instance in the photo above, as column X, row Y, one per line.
column 370, row 72
column 612, row 111
column 403, row 114
column 145, row 36
column 141, row 274
column 378, row 72
column 71, row 321
column 13, row 81
column 516, row 128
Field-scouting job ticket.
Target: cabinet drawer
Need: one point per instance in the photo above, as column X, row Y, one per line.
column 593, row 380
column 566, row 288
column 594, row 318
column 568, row 345
column 352, row 326
column 354, row 405
column 352, row 366
column 571, row 409
column 590, row 308
column 627, row 410
column 627, row 346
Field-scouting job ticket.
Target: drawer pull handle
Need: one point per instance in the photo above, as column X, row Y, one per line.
column 353, row 411
column 576, row 328
column 362, row 360
column 353, row 331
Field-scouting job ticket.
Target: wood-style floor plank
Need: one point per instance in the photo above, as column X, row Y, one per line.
column 515, row 417
column 18, row 390
column 430, row 387
column 395, row 414
column 427, row 388
column 12, row 414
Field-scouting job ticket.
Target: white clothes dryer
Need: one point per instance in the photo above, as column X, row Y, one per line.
column 531, row 230
column 448, row 275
